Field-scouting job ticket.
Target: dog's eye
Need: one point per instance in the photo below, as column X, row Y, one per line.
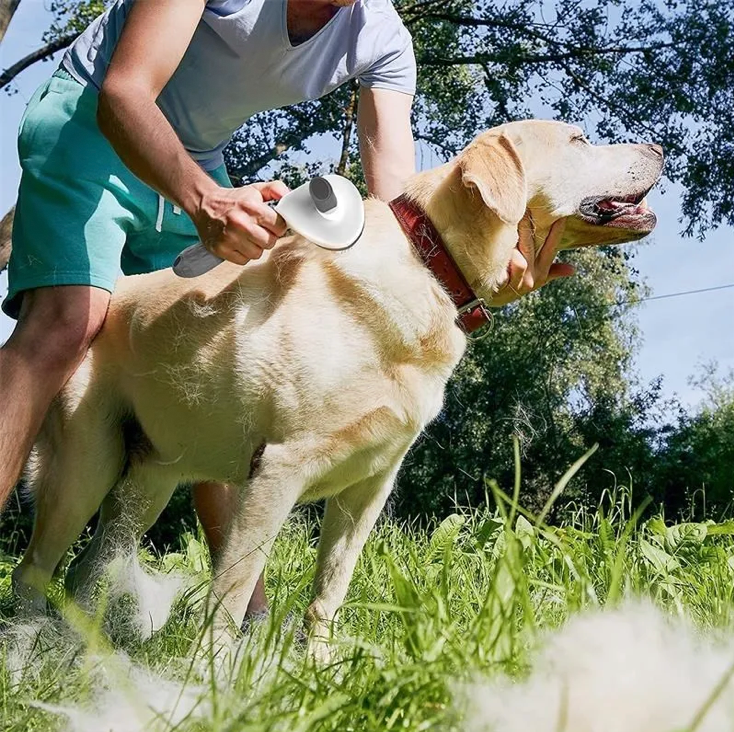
column 580, row 138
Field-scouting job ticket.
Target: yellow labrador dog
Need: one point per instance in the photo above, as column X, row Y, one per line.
column 307, row 374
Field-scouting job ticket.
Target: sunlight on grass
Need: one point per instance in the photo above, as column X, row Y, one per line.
column 433, row 611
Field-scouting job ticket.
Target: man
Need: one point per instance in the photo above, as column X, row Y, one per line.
column 122, row 163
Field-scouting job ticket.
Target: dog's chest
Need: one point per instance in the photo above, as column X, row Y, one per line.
column 366, row 434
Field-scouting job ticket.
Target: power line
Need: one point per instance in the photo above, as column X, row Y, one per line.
column 677, row 294
column 666, row 296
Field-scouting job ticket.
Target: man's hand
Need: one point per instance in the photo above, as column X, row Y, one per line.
column 236, row 224
column 529, row 269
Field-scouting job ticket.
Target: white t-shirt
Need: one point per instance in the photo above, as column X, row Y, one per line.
column 240, row 62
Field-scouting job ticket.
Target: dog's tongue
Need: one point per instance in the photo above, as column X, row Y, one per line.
column 612, row 205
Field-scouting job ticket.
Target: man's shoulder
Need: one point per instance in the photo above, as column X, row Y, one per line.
column 382, row 22
column 385, row 48
column 381, row 11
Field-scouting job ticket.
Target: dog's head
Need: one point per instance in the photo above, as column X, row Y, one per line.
column 551, row 170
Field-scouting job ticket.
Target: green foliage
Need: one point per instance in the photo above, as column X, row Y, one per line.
column 697, row 463
column 73, row 16
column 428, row 609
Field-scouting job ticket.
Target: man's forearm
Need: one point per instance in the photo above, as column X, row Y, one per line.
column 385, row 141
column 148, row 145
column 387, row 163
column 386, row 174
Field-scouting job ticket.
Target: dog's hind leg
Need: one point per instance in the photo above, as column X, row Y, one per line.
column 128, row 511
column 78, row 458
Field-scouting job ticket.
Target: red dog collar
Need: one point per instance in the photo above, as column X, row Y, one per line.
column 428, row 243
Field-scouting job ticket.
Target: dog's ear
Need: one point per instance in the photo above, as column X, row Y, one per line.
column 492, row 165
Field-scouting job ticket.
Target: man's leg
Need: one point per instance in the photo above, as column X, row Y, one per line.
column 55, row 327
column 215, row 505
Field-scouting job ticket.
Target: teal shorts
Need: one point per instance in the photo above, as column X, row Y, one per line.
column 81, row 215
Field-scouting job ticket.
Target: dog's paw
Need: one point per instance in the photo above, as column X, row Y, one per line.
column 319, row 649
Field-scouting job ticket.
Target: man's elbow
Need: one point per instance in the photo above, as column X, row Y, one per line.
column 115, row 96
column 111, row 99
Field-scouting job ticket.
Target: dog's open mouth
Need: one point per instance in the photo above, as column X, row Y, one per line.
column 624, row 212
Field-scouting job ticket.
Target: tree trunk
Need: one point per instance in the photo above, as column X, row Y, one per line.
column 7, row 10
column 6, row 228
column 349, row 112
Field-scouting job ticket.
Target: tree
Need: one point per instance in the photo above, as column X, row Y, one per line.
column 695, row 465
column 7, row 10
column 631, row 68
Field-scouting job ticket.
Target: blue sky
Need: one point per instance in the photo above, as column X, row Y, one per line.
column 678, row 334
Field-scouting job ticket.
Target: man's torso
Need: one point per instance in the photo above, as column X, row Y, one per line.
column 241, row 61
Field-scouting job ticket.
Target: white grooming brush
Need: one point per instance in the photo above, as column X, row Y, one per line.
column 328, row 210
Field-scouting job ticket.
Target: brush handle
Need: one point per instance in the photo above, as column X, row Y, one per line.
column 194, row 261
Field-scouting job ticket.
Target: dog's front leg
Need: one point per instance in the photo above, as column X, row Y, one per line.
column 348, row 521
column 262, row 509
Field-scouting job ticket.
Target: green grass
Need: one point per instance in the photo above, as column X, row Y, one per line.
column 427, row 609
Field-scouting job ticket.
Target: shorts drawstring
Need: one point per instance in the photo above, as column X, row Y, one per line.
column 161, row 209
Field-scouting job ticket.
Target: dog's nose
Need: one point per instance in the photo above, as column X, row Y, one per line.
column 657, row 149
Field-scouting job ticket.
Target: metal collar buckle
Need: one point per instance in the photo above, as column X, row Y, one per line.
column 476, row 303
column 482, row 305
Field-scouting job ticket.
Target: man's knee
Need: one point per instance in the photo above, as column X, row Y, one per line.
column 57, row 325
column 69, row 336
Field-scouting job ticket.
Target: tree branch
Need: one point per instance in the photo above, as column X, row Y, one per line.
column 44, row 52
column 484, row 58
column 524, row 29
column 245, row 173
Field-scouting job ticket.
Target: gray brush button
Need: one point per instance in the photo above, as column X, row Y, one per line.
column 322, row 194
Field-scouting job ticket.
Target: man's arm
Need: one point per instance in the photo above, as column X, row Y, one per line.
column 385, row 140
column 237, row 225
column 153, row 42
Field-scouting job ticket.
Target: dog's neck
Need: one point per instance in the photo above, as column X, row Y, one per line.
column 479, row 243
column 396, row 296
column 472, row 311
